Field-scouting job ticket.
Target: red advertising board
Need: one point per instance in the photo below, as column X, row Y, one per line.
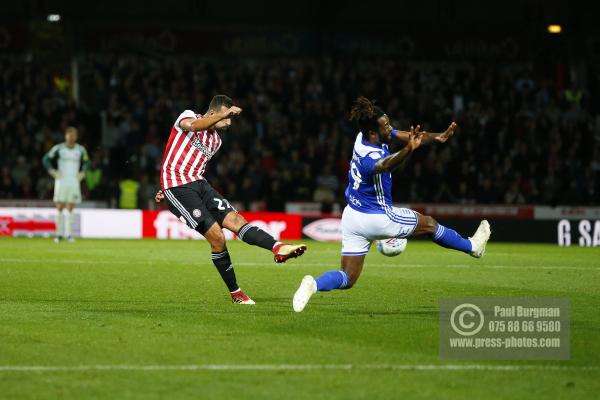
column 164, row 225
column 10, row 226
column 475, row 211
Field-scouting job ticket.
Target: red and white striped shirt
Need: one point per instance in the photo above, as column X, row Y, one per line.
column 187, row 153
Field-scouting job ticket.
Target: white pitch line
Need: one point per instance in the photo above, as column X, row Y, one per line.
column 475, row 267
column 91, row 262
column 297, row 367
column 524, row 267
column 298, row 263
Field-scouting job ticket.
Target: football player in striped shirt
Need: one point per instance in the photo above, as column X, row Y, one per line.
column 370, row 214
column 194, row 140
column 66, row 163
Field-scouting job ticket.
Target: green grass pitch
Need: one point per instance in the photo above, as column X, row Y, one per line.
column 118, row 314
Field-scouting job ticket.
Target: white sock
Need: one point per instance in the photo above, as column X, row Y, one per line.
column 58, row 219
column 69, row 225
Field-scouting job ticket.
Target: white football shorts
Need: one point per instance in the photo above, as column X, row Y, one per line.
column 360, row 229
column 67, row 190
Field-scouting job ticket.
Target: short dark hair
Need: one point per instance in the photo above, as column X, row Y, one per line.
column 365, row 113
column 219, row 101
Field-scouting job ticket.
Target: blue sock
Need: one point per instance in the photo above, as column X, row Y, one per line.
column 332, row 280
column 449, row 239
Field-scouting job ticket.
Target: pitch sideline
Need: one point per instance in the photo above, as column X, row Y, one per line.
column 298, row 367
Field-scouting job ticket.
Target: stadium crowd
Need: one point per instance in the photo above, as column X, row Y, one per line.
column 522, row 138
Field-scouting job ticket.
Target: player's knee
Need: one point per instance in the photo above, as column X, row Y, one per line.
column 429, row 223
column 216, row 238
column 241, row 221
column 234, row 221
column 218, row 244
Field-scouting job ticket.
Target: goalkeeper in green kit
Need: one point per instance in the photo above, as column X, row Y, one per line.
column 67, row 163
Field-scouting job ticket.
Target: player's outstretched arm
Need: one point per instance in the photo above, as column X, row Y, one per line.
column 200, row 124
column 393, row 161
column 428, row 137
column 47, row 161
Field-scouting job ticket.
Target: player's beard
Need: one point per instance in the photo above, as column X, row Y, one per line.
column 387, row 139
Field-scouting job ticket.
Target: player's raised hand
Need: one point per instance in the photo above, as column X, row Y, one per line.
column 232, row 111
column 415, row 137
column 447, row 134
column 159, row 196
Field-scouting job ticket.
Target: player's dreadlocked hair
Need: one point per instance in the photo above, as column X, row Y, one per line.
column 366, row 114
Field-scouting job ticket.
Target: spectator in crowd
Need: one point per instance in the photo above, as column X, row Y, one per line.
column 20, row 171
column 276, row 199
column 521, row 139
column 128, row 193
column 8, row 189
column 147, row 190
column 324, row 195
column 514, row 195
column 93, row 177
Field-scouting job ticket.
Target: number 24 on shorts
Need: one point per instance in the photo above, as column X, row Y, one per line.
column 220, row 205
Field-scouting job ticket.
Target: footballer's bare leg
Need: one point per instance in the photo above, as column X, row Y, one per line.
column 450, row 239
column 353, row 266
column 215, row 237
column 59, row 222
column 222, row 261
column 69, row 222
column 344, row 279
column 257, row 237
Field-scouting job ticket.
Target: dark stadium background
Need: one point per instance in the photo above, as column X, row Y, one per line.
column 119, row 309
column 526, row 101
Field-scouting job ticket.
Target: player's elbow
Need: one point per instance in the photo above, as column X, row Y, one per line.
column 381, row 167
